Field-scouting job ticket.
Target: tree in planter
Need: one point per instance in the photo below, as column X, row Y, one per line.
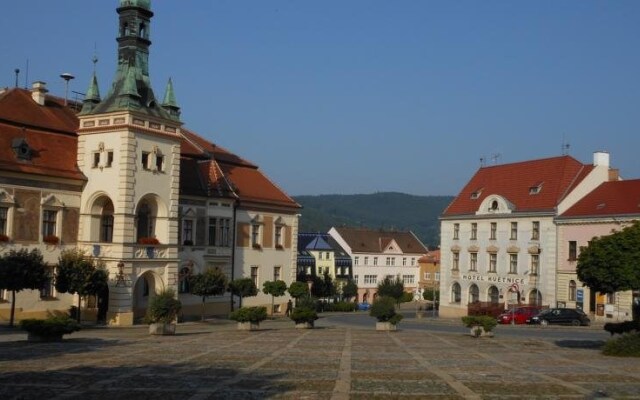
column 384, row 310
column 19, row 270
column 298, row 290
column 350, row 290
column 305, row 311
column 242, row 287
column 275, row 289
column 163, row 308
column 610, row 263
column 50, row 329
column 78, row 273
column 393, row 288
column 211, row 282
column 254, row 315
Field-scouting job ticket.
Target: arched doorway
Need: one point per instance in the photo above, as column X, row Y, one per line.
column 494, row 295
column 474, row 293
column 535, row 297
column 146, row 287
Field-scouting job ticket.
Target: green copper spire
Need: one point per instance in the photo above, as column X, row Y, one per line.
column 92, row 98
column 169, row 103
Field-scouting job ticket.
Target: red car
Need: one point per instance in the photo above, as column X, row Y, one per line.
column 518, row 315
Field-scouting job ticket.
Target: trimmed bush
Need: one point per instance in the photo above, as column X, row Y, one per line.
column 341, row 306
column 486, row 322
column 627, row 345
column 303, row 314
column 406, row 297
column 50, row 327
column 249, row 314
column 384, row 309
column 622, row 327
column 163, row 308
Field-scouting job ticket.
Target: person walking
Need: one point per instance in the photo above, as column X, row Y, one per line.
column 289, row 308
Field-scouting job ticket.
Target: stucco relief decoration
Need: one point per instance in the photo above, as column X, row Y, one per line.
column 534, row 250
column 492, row 249
column 52, row 201
column 473, row 249
column 513, row 249
column 6, row 199
column 455, row 248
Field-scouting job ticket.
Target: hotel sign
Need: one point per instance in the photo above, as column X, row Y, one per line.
column 493, row 279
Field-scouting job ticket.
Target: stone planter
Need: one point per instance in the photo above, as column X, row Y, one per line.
column 32, row 337
column 386, row 326
column 304, row 325
column 162, row 329
column 248, row 326
column 478, row 331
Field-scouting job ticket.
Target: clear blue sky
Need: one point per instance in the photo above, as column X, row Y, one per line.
column 360, row 96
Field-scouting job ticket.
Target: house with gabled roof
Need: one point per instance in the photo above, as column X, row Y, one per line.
column 123, row 180
column 377, row 254
column 608, row 208
column 319, row 254
column 498, row 236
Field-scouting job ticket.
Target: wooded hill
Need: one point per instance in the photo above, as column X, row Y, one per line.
column 386, row 211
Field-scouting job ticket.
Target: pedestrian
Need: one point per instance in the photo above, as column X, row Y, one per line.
column 289, row 308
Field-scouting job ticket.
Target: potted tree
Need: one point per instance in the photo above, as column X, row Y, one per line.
column 162, row 313
column 384, row 309
column 249, row 318
column 304, row 314
column 49, row 330
column 481, row 325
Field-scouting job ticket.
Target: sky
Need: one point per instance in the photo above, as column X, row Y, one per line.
column 364, row 96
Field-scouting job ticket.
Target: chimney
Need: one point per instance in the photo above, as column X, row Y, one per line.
column 601, row 159
column 39, row 91
column 614, row 174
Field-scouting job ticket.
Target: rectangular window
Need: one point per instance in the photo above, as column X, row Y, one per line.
column 320, row 256
column 159, row 162
column 513, row 263
column 375, row 261
column 96, row 160
column 408, row 279
column 393, row 261
column 413, row 261
column 474, row 231
column 493, row 262
column 404, row 261
column 366, row 261
column 213, row 231
column 371, row 279
column 4, row 215
column 473, row 261
column 535, row 264
column 356, row 261
column 437, row 276
column 427, row 276
column 328, row 255
column 187, row 231
column 388, row 261
column 49, row 222
column 279, row 237
column 106, row 228
column 255, row 236
column 47, row 291
column 494, row 230
column 355, row 279
column 455, row 265
column 535, row 230
column 514, row 231
column 109, row 159
column 145, row 160
column 573, row 250
column 276, row 273
column 456, row 231
column 254, row 275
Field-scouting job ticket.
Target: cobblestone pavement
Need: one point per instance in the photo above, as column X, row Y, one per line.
column 215, row 361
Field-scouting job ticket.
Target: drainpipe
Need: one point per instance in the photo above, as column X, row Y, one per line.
column 233, row 247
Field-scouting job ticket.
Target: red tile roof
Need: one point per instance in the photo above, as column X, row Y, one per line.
column 432, row 257
column 48, row 130
column 362, row 240
column 555, row 176
column 610, row 198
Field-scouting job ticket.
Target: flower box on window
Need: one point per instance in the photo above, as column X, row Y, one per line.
column 187, row 243
column 3, row 238
column 51, row 239
column 148, row 240
column 279, row 247
column 257, row 246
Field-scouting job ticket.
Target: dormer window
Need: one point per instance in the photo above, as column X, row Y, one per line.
column 535, row 189
column 494, row 206
column 22, row 149
column 475, row 195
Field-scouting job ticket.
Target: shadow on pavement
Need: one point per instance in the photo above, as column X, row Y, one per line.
column 581, row 344
column 24, row 350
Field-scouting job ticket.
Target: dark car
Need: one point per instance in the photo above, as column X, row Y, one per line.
column 562, row 316
column 518, row 315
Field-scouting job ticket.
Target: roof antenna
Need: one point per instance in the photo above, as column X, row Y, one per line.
column 565, row 147
column 495, row 157
column 17, row 71
column 26, row 76
column 482, row 162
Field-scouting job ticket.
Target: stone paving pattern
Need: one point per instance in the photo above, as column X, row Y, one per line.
column 215, row 361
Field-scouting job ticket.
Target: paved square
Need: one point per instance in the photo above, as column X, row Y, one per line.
column 215, row 361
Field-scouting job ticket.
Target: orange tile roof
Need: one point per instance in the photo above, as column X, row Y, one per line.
column 614, row 198
column 362, row 240
column 49, row 131
column 555, row 176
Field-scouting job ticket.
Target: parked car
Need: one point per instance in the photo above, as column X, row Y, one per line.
column 518, row 315
column 563, row 316
column 364, row 306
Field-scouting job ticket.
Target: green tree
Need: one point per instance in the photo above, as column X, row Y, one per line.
column 323, row 287
column 612, row 263
column 212, row 282
column 242, row 287
column 393, row 288
column 275, row 289
column 78, row 273
column 298, row 289
column 19, row 270
column 350, row 290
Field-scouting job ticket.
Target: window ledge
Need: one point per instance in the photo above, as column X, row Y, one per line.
column 49, row 299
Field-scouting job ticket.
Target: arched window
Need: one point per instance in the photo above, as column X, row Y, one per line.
column 572, row 290
column 456, row 293
column 474, row 293
column 494, row 295
column 124, row 31
column 106, row 223
column 535, row 297
column 185, row 275
column 145, row 221
column 142, row 31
